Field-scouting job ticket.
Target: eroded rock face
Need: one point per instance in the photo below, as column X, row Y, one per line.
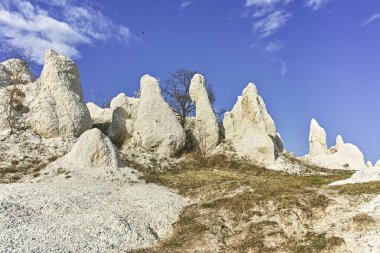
column 121, row 127
column 99, row 115
column 250, row 129
column 342, row 156
column 94, row 150
column 156, row 127
column 206, row 129
column 317, row 139
column 59, row 108
column 14, row 72
column 129, row 104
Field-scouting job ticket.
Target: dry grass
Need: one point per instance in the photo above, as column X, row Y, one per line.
column 315, row 243
column 238, row 189
column 363, row 221
column 358, row 189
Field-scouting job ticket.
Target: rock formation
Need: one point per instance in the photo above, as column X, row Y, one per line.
column 14, row 72
column 156, row 127
column 94, row 150
column 342, row 156
column 377, row 164
column 361, row 176
column 121, row 127
column 99, row 115
column 369, row 165
column 250, row 129
column 206, row 129
column 129, row 104
column 59, row 108
column 317, row 139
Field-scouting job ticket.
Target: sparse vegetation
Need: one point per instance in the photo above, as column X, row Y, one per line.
column 363, row 221
column 176, row 93
column 13, row 105
column 236, row 192
column 358, row 189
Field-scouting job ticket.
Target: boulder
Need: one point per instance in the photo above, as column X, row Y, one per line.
column 58, row 108
column 99, row 115
column 250, row 129
column 317, row 139
column 206, row 129
column 14, row 72
column 121, row 126
column 94, row 150
column 129, row 104
column 156, row 127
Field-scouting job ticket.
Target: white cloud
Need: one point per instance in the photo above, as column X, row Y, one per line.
column 371, row 19
column 61, row 25
column 260, row 2
column 184, row 5
column 273, row 46
column 271, row 23
column 284, row 68
column 317, row 4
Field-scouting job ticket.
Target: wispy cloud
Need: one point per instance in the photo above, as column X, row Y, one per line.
column 283, row 67
column 273, row 46
column 369, row 20
column 271, row 23
column 185, row 4
column 62, row 25
column 260, row 2
column 317, row 4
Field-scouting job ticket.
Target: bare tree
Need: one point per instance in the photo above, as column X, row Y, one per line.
column 176, row 93
column 14, row 72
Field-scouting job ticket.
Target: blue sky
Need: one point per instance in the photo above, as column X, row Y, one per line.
column 308, row 58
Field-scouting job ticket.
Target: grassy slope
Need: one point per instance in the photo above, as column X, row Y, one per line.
column 229, row 194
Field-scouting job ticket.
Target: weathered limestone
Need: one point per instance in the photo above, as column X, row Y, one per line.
column 342, row 156
column 317, row 139
column 99, row 115
column 121, row 127
column 129, row 104
column 206, row 129
column 14, row 72
column 361, row 176
column 250, row 129
column 156, row 127
column 59, row 108
column 94, row 150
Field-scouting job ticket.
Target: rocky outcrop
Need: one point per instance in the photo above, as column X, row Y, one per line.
column 59, row 108
column 121, row 127
column 317, row 139
column 14, row 72
column 361, row 176
column 156, row 127
column 250, row 129
column 94, row 150
column 129, row 104
column 206, row 129
column 342, row 156
column 99, row 115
